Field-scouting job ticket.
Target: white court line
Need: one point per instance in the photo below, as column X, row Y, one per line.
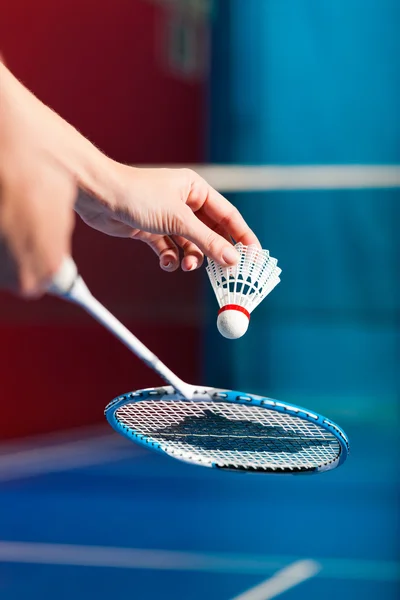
column 241, row 178
column 283, row 580
column 171, row 560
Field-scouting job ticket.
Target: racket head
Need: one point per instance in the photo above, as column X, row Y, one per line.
column 229, row 430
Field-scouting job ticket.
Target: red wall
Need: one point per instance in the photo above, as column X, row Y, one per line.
column 98, row 64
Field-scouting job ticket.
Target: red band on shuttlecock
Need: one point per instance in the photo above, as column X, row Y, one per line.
column 234, row 307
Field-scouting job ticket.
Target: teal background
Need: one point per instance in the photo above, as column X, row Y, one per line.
column 310, row 82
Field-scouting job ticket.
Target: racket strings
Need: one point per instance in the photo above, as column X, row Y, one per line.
column 230, row 435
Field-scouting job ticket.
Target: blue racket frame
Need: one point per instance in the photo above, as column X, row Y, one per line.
column 234, row 397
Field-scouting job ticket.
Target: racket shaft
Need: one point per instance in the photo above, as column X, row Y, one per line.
column 80, row 294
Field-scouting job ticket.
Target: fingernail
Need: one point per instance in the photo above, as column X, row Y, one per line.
column 230, row 256
column 166, row 260
column 166, row 263
column 193, row 264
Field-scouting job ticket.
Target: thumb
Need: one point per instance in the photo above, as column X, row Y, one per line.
column 210, row 243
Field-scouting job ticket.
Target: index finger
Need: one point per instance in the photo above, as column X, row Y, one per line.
column 224, row 214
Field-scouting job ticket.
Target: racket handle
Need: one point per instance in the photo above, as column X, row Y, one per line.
column 68, row 284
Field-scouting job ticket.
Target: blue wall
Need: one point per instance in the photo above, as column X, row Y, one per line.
column 311, row 82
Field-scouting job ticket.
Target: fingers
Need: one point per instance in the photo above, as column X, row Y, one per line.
column 35, row 230
column 192, row 255
column 40, row 254
column 219, row 210
column 169, row 256
column 167, row 249
column 214, row 226
column 219, row 213
column 208, row 241
column 164, row 247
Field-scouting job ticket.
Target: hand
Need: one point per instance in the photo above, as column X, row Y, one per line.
column 169, row 209
column 36, row 222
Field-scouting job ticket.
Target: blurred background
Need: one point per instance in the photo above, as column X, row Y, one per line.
column 83, row 513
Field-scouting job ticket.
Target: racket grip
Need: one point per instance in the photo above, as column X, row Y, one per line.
column 65, row 278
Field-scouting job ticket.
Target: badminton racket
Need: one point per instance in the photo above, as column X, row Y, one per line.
column 207, row 426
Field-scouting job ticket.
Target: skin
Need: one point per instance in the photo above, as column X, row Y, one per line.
column 49, row 173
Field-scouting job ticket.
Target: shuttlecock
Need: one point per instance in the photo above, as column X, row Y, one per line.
column 241, row 288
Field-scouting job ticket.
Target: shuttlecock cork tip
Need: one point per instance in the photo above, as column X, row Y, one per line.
column 233, row 321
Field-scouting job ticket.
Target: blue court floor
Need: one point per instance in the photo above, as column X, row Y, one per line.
column 102, row 518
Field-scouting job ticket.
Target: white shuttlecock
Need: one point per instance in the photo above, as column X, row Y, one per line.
column 241, row 288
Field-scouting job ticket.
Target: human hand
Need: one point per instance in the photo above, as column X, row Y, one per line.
column 168, row 209
column 36, row 222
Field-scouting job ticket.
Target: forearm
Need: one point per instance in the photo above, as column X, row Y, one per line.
column 26, row 122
